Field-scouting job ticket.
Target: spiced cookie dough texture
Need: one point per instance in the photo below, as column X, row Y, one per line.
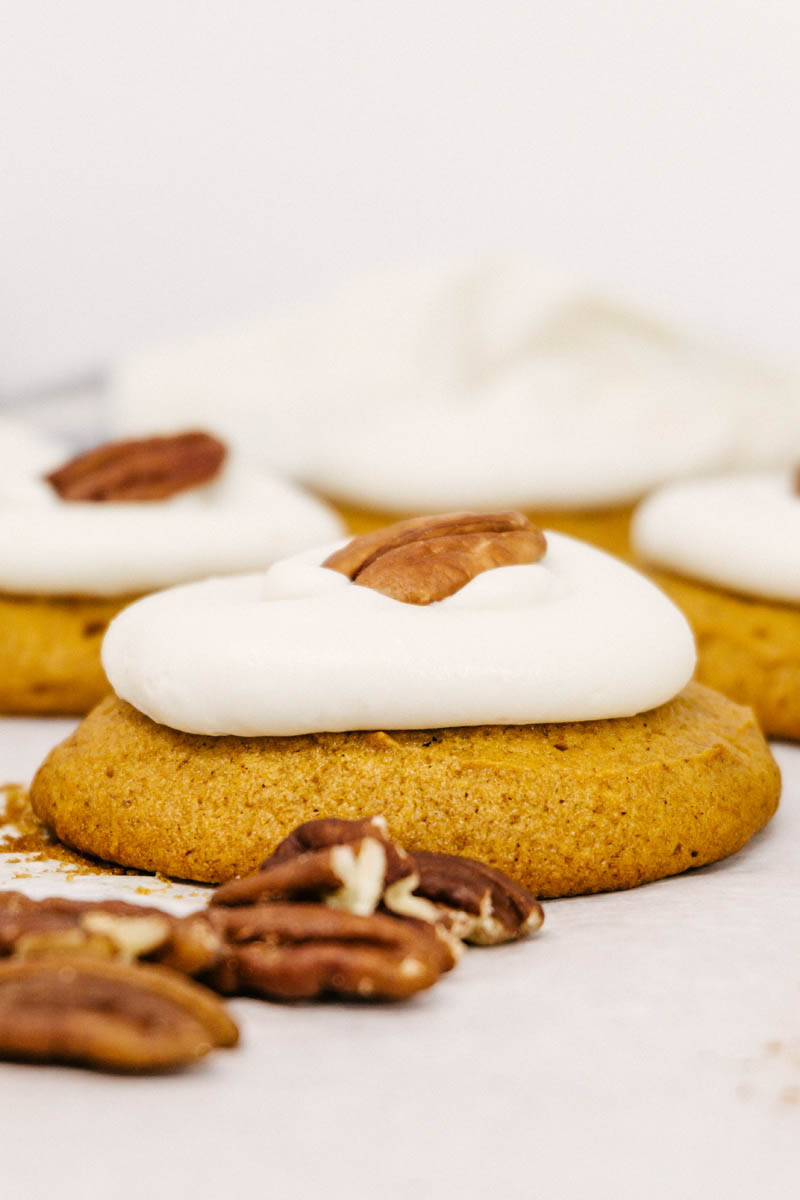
column 538, row 718
column 726, row 550
column 482, row 385
column 80, row 539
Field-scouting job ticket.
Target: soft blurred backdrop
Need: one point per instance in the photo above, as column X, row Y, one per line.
column 171, row 166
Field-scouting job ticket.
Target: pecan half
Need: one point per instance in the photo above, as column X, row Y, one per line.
column 106, row 929
column 474, row 901
column 77, row 1009
column 140, row 469
column 428, row 558
column 347, row 864
column 301, row 951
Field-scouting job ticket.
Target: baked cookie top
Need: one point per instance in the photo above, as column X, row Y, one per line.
column 738, row 532
column 240, row 519
column 302, row 648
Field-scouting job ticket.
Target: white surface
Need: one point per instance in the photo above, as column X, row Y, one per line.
column 732, row 531
column 242, row 520
column 301, row 649
column 490, row 384
column 644, row 1044
column 168, row 168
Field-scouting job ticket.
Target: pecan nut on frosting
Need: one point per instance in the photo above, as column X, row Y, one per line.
column 141, row 469
column 429, row 558
column 73, row 1008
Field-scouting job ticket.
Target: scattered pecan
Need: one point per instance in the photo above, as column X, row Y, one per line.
column 475, row 902
column 106, row 929
column 299, row 951
column 353, row 865
column 140, row 469
column 428, row 558
column 347, row 864
column 324, row 832
column 79, row 1009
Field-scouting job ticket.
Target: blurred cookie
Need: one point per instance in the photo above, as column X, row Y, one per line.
column 50, row 653
column 475, row 385
column 727, row 550
column 79, row 539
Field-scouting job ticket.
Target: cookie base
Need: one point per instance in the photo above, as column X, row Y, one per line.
column 565, row 809
column 748, row 649
column 50, row 653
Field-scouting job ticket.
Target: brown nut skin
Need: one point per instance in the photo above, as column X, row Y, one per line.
column 140, row 469
column 345, row 863
column 303, row 951
column 475, row 902
column 427, row 559
column 107, row 929
column 325, row 832
column 350, row 876
column 106, row 1014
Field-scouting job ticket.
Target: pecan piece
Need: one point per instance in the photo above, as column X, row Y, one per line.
column 347, row 864
column 474, row 901
column 107, row 929
column 428, row 558
column 300, row 951
column 140, row 468
column 327, row 831
column 78, row 1009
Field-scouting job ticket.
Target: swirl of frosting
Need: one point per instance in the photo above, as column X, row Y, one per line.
column 739, row 532
column 243, row 520
column 301, row 649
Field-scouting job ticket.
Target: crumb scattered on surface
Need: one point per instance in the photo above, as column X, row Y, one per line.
column 21, row 832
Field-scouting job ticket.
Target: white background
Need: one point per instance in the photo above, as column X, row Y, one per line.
column 169, row 166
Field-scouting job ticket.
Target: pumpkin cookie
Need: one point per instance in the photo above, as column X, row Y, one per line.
column 726, row 551
column 79, row 540
column 516, row 698
column 50, row 652
column 495, row 693
column 564, row 808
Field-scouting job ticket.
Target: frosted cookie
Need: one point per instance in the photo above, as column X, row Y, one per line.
column 489, row 386
column 79, row 540
column 727, row 550
column 498, row 694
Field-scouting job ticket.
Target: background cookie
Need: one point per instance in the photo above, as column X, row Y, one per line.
column 747, row 648
column 50, row 652
column 565, row 809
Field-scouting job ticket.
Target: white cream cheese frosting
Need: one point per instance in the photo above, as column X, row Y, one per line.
column 243, row 520
column 301, row 649
column 739, row 532
column 491, row 386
